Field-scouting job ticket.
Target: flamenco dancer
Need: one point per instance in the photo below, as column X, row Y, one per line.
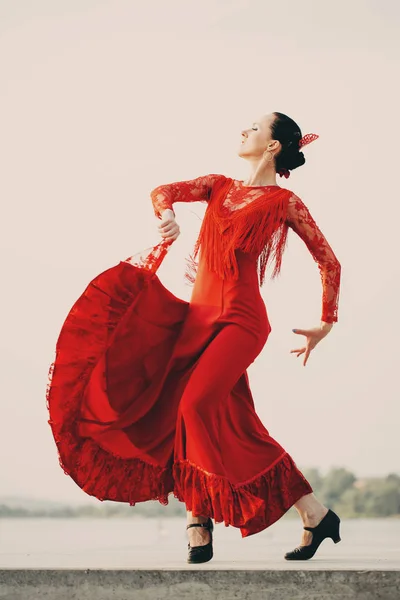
column 149, row 395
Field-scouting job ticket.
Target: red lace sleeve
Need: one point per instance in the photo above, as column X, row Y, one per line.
column 301, row 221
column 193, row 190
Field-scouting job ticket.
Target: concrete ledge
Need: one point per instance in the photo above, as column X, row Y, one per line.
column 197, row 583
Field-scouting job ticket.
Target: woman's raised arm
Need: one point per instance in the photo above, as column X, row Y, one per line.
column 301, row 221
column 192, row 190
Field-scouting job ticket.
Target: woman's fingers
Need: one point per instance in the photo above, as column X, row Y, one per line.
column 299, row 351
column 302, row 331
column 314, row 336
column 167, row 228
column 170, row 237
column 169, row 232
column 307, row 354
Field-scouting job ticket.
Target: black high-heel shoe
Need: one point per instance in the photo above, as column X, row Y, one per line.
column 327, row 528
column 200, row 554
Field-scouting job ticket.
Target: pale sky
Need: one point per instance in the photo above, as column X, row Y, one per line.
column 102, row 101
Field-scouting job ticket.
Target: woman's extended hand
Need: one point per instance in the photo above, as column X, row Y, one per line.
column 168, row 227
column 314, row 336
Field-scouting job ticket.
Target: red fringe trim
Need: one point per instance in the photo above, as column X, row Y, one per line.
column 259, row 227
column 192, row 266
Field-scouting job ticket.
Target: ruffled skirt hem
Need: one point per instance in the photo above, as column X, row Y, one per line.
column 251, row 506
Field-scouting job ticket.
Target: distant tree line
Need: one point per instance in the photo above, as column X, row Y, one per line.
column 338, row 489
column 369, row 497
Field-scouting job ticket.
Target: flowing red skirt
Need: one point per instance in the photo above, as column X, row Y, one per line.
column 145, row 401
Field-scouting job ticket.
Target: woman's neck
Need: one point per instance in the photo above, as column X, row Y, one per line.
column 261, row 174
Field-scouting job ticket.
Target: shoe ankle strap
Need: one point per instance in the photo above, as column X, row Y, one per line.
column 198, row 525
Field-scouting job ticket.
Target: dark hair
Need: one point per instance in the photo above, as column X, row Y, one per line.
column 288, row 133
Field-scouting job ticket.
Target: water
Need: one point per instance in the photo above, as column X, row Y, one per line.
column 161, row 543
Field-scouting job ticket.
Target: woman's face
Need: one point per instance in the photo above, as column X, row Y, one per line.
column 256, row 138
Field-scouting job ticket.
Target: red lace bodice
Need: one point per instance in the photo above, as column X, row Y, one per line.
column 298, row 218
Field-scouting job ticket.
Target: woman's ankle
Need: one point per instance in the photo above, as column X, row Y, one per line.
column 192, row 519
column 313, row 515
column 310, row 509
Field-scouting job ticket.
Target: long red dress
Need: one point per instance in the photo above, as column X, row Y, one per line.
column 149, row 395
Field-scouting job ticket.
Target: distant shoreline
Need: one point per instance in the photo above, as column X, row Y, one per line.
column 339, row 489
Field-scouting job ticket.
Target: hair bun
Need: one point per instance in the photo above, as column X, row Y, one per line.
column 288, row 133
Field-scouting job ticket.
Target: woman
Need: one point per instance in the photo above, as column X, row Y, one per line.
column 149, row 394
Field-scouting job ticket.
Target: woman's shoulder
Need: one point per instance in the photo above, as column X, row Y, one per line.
column 295, row 200
column 217, row 176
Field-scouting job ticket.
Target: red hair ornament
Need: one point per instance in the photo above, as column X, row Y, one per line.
column 306, row 139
